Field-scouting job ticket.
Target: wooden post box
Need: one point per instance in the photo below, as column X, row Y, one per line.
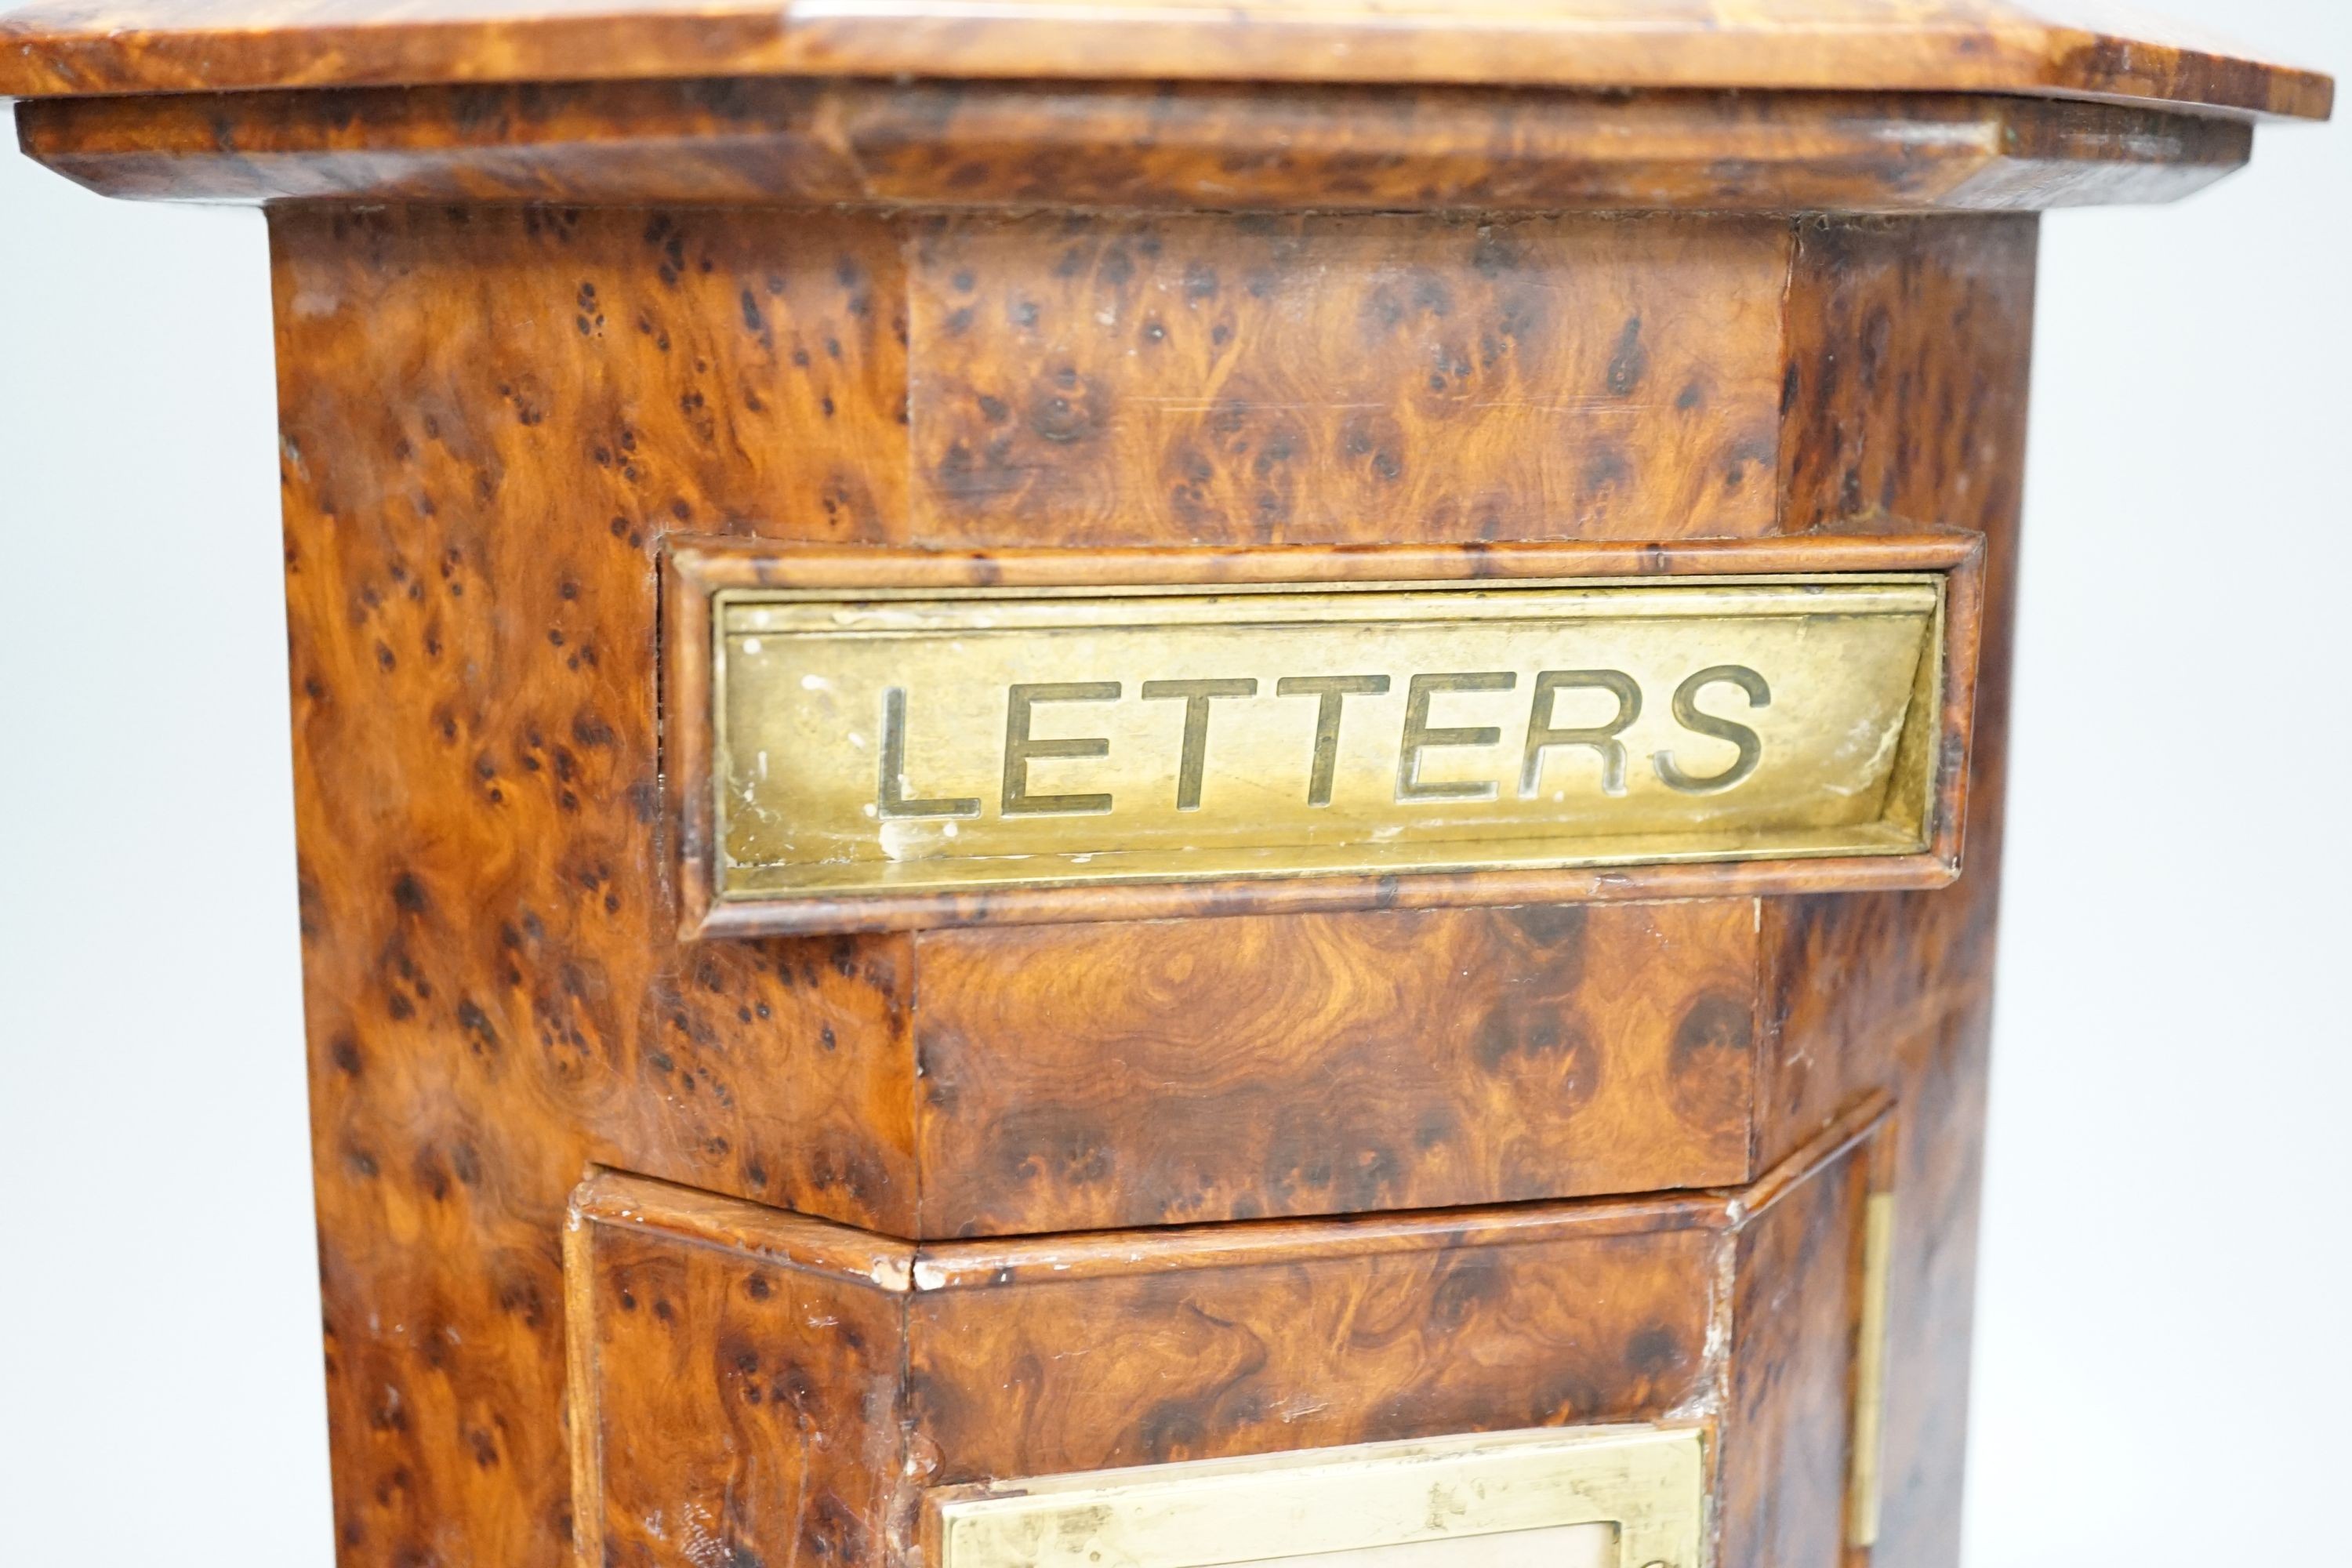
column 1094, row 783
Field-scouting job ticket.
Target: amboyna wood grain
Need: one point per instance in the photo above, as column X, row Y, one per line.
column 950, row 146
column 760, row 1388
column 1335, row 380
column 1181, row 1071
column 80, row 47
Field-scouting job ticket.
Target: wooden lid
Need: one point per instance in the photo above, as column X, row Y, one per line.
column 83, row 47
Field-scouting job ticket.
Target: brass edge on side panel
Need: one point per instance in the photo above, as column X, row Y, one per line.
column 1865, row 1482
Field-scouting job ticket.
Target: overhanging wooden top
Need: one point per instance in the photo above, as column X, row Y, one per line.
column 85, row 47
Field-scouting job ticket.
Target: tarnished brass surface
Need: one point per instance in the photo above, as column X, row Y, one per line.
column 1605, row 1496
column 1001, row 738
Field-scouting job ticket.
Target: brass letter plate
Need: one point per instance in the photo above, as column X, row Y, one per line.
column 962, row 745
column 1607, row 1497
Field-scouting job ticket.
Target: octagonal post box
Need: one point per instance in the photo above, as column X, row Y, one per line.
column 1145, row 784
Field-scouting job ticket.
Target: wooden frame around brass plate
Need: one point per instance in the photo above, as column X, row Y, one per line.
column 806, row 591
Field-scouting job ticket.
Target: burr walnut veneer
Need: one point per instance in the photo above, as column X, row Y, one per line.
column 658, row 1228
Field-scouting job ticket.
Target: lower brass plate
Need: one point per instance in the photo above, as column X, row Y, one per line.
column 991, row 739
column 1607, row 1497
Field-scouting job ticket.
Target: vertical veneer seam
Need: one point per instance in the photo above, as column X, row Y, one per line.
column 911, row 1042
column 1794, row 236
column 1760, row 1041
column 903, row 1401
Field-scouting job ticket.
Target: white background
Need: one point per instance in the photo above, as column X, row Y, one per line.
column 2161, row 1326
